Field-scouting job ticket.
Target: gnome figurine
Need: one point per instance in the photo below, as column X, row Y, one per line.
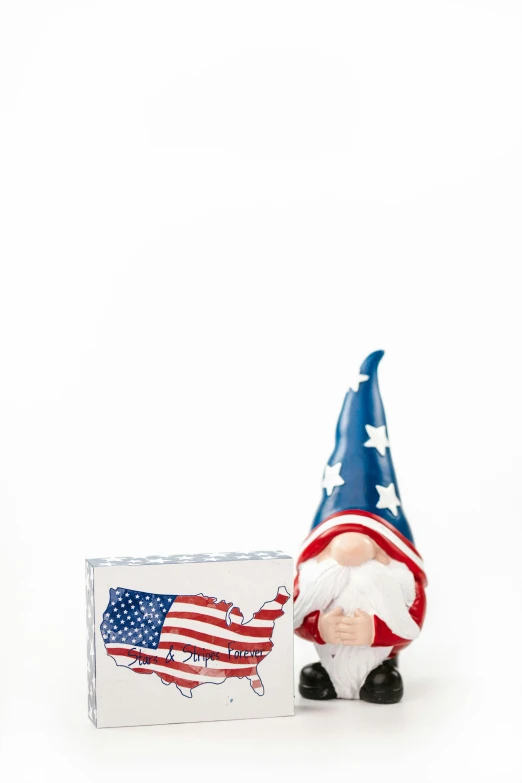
column 359, row 591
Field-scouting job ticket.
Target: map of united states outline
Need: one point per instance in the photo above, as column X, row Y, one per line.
column 189, row 640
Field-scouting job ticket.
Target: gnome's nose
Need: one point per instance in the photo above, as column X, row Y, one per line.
column 353, row 549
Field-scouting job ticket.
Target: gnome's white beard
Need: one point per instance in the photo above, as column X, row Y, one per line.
column 385, row 590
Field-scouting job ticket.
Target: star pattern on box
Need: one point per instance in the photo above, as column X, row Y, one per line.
column 203, row 557
column 91, row 659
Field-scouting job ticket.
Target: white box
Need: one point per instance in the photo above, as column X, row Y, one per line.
column 212, row 634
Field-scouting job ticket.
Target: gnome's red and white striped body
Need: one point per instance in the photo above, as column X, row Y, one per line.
column 393, row 594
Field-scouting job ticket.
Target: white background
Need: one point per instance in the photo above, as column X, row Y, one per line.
column 210, row 212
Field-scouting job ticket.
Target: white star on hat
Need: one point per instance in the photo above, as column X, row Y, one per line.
column 332, row 477
column 388, row 498
column 359, row 378
column 378, row 438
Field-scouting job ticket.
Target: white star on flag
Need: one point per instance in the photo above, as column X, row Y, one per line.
column 357, row 382
column 388, row 498
column 332, row 477
column 378, row 438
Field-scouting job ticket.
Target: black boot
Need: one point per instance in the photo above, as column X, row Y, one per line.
column 383, row 685
column 314, row 683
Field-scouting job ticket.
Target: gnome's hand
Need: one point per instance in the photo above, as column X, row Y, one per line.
column 329, row 626
column 337, row 628
column 358, row 630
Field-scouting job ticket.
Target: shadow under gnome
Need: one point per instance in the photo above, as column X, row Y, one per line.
column 359, row 592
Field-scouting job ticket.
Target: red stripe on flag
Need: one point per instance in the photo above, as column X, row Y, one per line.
column 244, row 630
column 178, row 680
column 269, row 614
column 201, row 600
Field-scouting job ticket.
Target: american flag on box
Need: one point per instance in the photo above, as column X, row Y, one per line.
column 188, row 640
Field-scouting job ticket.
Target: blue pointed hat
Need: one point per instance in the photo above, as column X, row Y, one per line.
column 360, row 476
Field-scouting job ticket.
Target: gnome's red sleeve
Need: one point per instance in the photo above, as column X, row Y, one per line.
column 384, row 636
column 309, row 629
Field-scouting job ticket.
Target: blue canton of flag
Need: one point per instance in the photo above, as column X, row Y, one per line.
column 135, row 618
